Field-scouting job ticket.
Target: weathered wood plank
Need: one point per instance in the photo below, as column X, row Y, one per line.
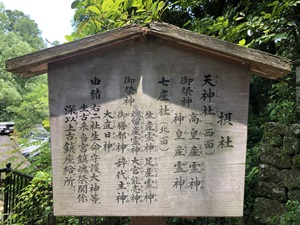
column 261, row 63
column 168, row 127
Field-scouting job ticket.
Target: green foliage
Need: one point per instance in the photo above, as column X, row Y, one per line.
column 42, row 156
column 99, row 15
column 35, row 206
column 264, row 25
column 250, row 179
column 291, row 217
column 8, row 92
column 21, row 24
column 33, row 109
column 35, row 202
column 20, row 35
column 204, row 220
column 9, row 86
column 282, row 106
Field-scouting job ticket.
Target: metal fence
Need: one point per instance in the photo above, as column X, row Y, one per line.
column 13, row 182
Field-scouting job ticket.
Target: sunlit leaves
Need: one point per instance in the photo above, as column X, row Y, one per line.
column 99, row 15
column 258, row 23
column 93, row 9
column 242, row 42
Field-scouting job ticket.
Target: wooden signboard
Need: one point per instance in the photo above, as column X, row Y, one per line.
column 148, row 128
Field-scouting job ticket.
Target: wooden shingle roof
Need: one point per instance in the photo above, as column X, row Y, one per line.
column 260, row 63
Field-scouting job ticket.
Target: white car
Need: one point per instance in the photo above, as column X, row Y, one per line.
column 6, row 127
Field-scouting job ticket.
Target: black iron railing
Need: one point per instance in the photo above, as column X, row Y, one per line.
column 12, row 183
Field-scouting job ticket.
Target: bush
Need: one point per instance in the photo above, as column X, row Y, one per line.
column 291, row 217
column 35, row 202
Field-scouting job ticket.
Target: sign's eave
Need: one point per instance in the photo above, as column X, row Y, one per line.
column 261, row 63
column 36, row 63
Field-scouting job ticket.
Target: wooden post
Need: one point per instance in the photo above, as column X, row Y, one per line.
column 148, row 220
column 6, row 207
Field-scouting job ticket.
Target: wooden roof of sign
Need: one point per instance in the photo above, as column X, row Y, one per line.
column 260, row 63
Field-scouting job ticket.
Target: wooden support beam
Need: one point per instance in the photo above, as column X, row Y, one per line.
column 141, row 220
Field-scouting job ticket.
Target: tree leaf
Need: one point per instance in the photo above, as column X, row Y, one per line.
column 93, row 9
column 242, row 42
column 127, row 4
column 76, row 4
column 106, row 5
column 267, row 16
column 160, row 5
column 81, row 27
column 136, row 3
column 80, row 12
column 69, row 38
column 140, row 10
column 148, row 4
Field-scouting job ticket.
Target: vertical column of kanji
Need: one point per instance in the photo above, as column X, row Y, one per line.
column 188, row 154
column 136, row 166
column 137, row 140
column 122, row 136
column 82, row 157
column 224, row 120
column 207, row 99
column 122, row 162
column 181, row 149
column 150, row 179
column 69, row 149
column 136, row 191
column 108, row 130
column 151, row 130
column 94, row 159
column 127, row 142
column 196, row 161
column 88, row 159
column 150, row 172
column 162, row 116
column 164, row 111
column 186, row 91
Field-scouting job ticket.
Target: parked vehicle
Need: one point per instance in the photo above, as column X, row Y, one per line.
column 6, row 127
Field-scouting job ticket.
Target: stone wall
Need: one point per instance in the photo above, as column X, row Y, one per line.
column 279, row 171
